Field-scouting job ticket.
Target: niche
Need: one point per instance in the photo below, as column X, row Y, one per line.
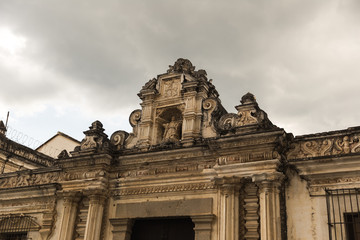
column 169, row 126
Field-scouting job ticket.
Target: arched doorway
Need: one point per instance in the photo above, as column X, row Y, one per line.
column 163, row 229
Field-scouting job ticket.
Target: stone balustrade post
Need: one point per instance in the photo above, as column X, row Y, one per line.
column 71, row 201
column 94, row 220
column 270, row 215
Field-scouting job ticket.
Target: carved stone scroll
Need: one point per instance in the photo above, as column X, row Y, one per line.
column 135, row 117
column 118, row 138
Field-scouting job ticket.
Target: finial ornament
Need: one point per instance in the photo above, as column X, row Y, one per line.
column 248, row 98
column 182, row 66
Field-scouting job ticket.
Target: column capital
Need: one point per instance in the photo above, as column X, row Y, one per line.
column 96, row 196
column 70, row 197
column 276, row 177
column 229, row 185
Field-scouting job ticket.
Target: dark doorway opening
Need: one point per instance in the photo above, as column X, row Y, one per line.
column 163, row 229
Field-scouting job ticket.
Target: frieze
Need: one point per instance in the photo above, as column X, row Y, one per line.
column 27, row 153
column 249, row 141
column 165, row 189
column 247, row 157
column 25, row 180
column 335, row 180
column 324, row 147
column 160, row 170
column 156, row 157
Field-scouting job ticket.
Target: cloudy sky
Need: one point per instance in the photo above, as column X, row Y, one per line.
column 64, row 64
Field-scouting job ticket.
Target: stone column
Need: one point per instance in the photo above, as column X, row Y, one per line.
column 203, row 226
column 270, row 216
column 122, row 228
column 71, row 200
column 95, row 214
column 229, row 203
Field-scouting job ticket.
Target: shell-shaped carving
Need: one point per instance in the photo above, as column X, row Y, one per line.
column 209, row 104
column 135, row 117
column 118, row 139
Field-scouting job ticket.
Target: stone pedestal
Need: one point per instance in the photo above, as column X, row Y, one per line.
column 270, row 217
column 71, row 200
column 95, row 214
column 122, row 228
column 203, row 226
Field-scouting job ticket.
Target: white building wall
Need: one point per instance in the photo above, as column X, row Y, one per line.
column 306, row 215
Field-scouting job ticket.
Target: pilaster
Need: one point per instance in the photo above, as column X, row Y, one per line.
column 192, row 113
column 229, row 206
column 146, row 119
column 95, row 214
column 270, row 217
column 71, row 200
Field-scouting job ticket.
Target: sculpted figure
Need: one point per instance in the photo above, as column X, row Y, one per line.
column 171, row 133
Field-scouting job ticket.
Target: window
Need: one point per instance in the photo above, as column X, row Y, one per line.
column 16, row 227
column 343, row 213
column 13, row 236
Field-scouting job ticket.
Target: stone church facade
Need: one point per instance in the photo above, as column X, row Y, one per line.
column 189, row 170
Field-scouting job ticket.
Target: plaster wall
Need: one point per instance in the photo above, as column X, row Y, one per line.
column 306, row 215
column 56, row 145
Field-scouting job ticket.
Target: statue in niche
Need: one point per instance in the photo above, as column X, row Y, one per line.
column 171, row 133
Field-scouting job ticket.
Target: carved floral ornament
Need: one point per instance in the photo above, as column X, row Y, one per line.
column 324, row 147
column 28, row 179
column 165, row 189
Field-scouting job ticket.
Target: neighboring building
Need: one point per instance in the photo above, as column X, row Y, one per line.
column 59, row 143
column 188, row 170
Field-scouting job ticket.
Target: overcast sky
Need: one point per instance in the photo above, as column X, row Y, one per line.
column 64, row 63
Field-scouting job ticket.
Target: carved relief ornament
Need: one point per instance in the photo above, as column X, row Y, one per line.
column 165, row 189
column 25, row 180
column 324, row 147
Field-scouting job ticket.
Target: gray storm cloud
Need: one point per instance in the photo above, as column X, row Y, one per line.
column 300, row 58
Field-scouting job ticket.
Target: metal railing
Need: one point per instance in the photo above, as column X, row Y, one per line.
column 343, row 213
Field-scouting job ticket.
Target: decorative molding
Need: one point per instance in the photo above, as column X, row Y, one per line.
column 28, row 179
column 161, row 170
column 247, row 157
column 249, row 142
column 325, row 146
column 13, row 148
column 165, row 189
